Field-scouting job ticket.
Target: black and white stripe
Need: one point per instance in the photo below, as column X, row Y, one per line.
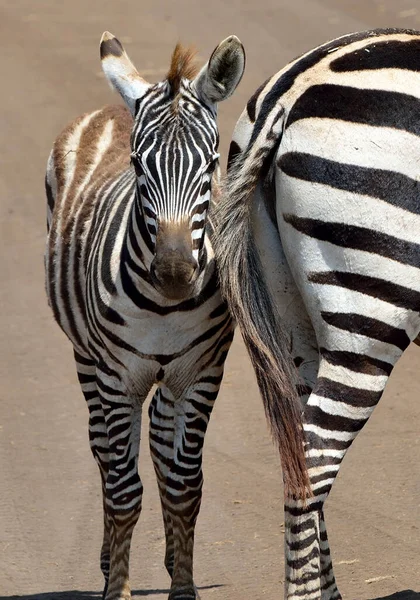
column 333, row 216
column 108, row 223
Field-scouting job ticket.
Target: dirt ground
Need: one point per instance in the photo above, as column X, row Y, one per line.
column 50, row 510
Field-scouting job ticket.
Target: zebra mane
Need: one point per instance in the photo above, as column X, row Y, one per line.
column 183, row 65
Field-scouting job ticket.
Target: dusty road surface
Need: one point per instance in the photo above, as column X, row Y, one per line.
column 50, row 512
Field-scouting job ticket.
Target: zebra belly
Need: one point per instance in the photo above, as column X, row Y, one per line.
column 66, row 297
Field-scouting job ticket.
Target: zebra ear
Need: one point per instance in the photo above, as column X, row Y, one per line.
column 120, row 71
column 219, row 78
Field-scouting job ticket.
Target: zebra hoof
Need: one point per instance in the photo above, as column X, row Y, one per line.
column 184, row 593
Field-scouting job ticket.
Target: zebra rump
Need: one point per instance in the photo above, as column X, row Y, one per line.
column 318, row 249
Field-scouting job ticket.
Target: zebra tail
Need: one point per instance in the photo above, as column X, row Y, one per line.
column 244, row 287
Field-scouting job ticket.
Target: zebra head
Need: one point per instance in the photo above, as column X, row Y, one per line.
column 174, row 145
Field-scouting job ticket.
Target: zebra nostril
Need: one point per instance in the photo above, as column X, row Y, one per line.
column 153, row 272
column 193, row 272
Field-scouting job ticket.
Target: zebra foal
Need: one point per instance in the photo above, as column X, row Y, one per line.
column 131, row 280
column 318, row 248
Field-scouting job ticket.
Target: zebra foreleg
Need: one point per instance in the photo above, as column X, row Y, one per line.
column 98, row 439
column 161, row 442
column 185, row 480
column 123, row 488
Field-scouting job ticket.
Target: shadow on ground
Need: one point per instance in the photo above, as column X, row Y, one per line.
column 404, row 595
column 79, row 595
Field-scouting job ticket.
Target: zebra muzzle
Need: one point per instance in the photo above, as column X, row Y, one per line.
column 174, row 276
column 174, row 270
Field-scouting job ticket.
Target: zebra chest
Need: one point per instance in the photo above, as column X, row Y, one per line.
column 161, row 336
column 156, row 348
column 147, row 337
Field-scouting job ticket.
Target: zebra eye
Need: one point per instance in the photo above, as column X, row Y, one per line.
column 214, row 161
column 135, row 161
column 212, row 164
column 205, row 188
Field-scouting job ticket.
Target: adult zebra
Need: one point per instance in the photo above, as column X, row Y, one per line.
column 318, row 247
column 130, row 277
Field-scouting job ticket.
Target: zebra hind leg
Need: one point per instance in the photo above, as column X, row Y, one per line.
column 98, row 440
column 348, row 388
column 161, row 442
